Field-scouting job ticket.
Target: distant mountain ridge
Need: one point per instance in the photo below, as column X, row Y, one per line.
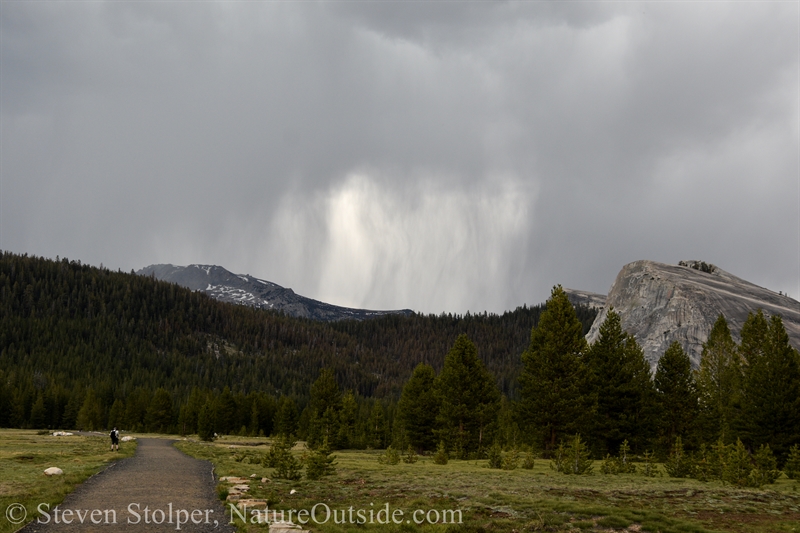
column 660, row 303
column 241, row 289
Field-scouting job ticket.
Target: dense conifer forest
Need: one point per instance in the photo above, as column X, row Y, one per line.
column 70, row 331
column 84, row 347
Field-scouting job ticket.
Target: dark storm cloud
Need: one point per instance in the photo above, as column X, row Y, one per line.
column 432, row 155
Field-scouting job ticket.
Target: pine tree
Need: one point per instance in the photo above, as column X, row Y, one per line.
column 495, row 456
column 572, row 458
column 321, row 463
column 378, row 427
column 116, row 416
column 38, row 413
column 441, row 457
column 225, row 419
column 771, row 392
column 738, row 465
column 766, row 470
column 678, row 464
column 622, row 387
column 91, row 417
column 205, row 421
column 159, row 414
column 676, row 396
column 468, row 399
column 418, row 408
column 286, row 417
column 719, row 382
column 792, row 466
column 346, row 436
column 554, row 379
column 324, row 409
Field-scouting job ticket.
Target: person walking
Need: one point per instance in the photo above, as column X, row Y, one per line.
column 114, row 440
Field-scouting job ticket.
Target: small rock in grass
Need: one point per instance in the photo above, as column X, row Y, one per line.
column 53, row 471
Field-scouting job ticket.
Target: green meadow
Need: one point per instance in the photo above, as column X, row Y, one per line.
column 502, row 500
column 25, row 454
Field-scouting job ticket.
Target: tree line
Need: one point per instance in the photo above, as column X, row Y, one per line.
column 75, row 336
column 91, row 348
column 747, row 393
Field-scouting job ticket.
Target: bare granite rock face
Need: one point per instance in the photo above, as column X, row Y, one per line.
column 589, row 299
column 660, row 303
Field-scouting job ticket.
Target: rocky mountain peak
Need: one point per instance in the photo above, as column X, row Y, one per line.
column 660, row 303
column 245, row 289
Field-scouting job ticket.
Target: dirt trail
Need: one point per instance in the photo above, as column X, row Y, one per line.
column 158, row 484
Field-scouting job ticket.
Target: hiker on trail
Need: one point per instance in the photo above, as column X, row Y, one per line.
column 114, row 440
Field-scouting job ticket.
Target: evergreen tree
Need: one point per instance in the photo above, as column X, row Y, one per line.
column 159, row 413
column 623, row 390
column 38, row 413
column 205, row 421
column 468, row 399
column 676, row 396
column 91, row 416
column 69, row 419
column 678, row 464
column 190, row 411
column 225, row 419
column 419, row 407
column 346, row 436
column 792, row 464
column 378, row 427
column 719, row 382
column 116, row 416
column 771, row 392
column 321, row 463
column 554, row 379
column 286, row 417
column 324, row 409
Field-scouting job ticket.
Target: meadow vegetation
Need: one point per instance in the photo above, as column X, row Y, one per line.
column 25, row 454
column 536, row 499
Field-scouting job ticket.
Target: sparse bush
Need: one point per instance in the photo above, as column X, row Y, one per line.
column 511, row 460
column 572, row 459
column 288, row 467
column 529, row 461
column 410, row 456
column 738, row 466
column 610, row 465
column 280, row 447
column 495, row 456
column 441, row 457
column 321, row 463
column 389, row 457
column 766, row 468
column 702, row 465
column 678, row 464
column 280, row 458
column 625, row 464
column 792, row 466
column 648, row 468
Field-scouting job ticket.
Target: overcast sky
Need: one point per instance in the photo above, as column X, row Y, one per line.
column 438, row 156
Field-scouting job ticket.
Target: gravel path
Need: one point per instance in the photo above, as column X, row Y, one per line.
column 151, row 491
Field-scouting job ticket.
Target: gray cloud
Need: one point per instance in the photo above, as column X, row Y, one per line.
column 437, row 156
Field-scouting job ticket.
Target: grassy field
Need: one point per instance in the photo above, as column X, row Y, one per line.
column 24, row 455
column 496, row 500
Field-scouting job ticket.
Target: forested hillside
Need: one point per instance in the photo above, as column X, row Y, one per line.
column 67, row 329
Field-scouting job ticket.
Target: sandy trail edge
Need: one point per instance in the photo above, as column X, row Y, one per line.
column 158, row 484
